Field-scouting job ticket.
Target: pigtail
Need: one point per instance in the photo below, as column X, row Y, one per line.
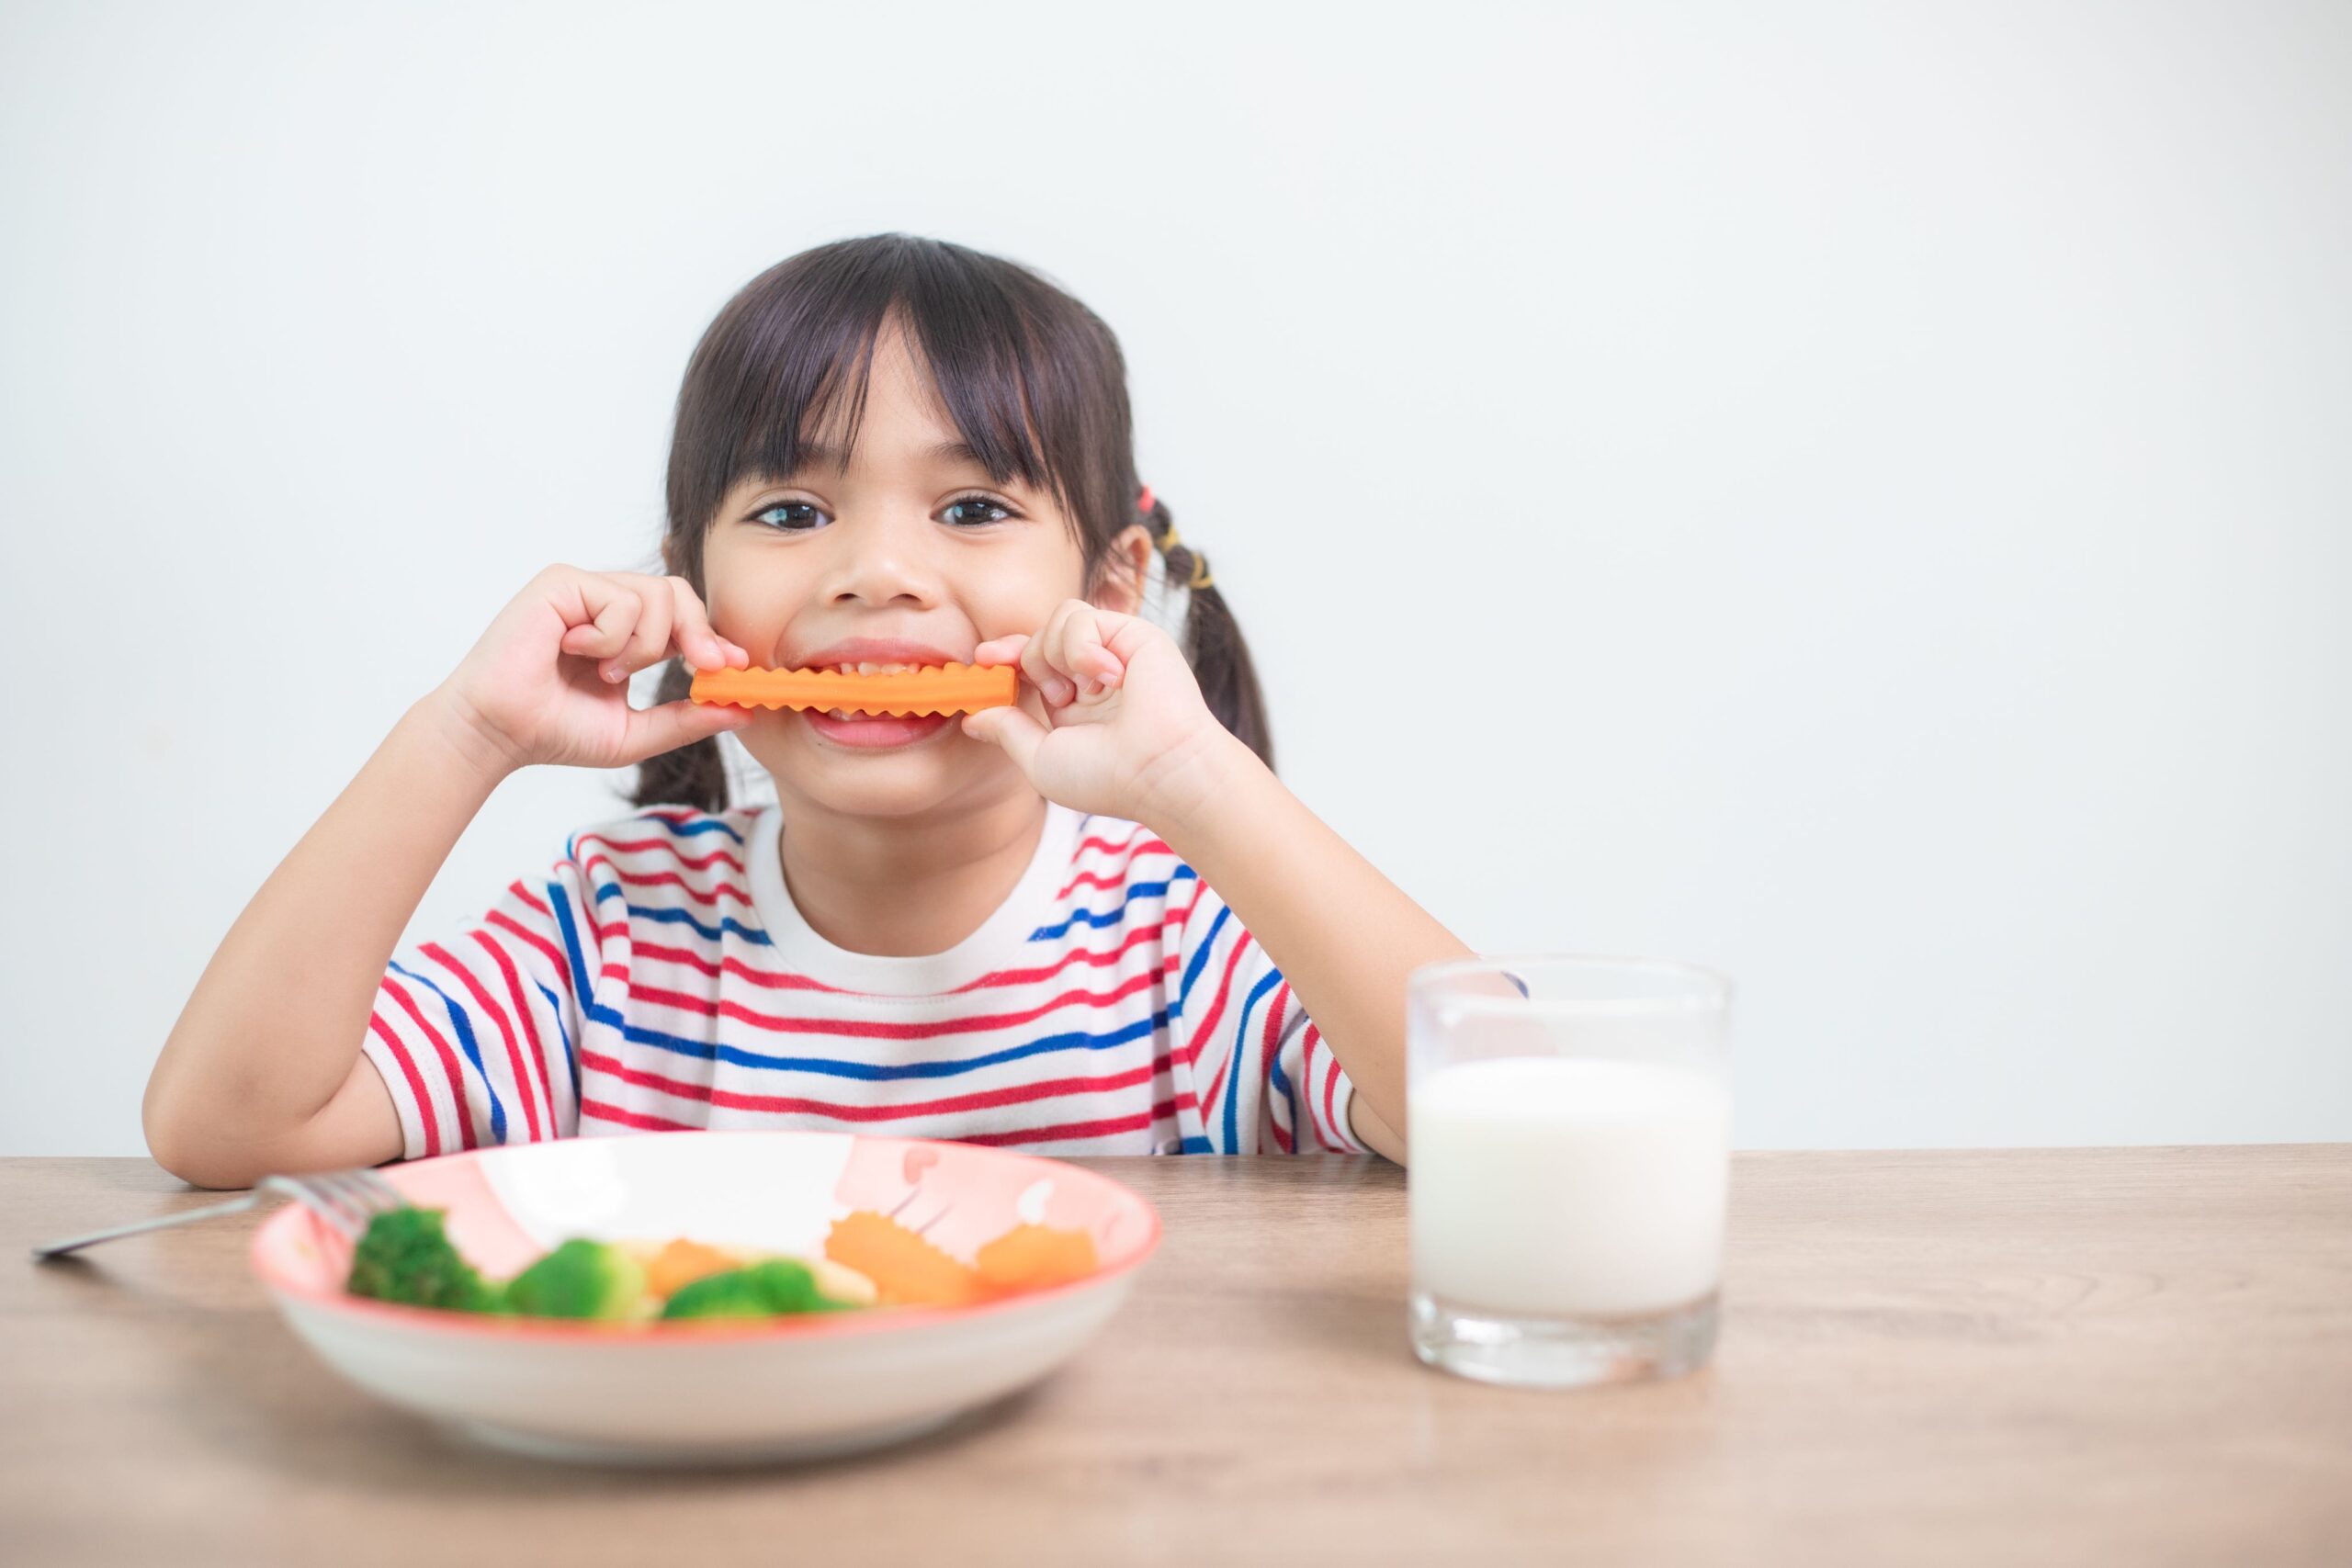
column 1213, row 641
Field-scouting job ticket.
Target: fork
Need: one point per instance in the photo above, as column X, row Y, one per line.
column 345, row 1199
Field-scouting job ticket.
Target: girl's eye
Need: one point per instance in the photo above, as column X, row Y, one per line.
column 1001, row 509
column 780, row 518
column 767, row 516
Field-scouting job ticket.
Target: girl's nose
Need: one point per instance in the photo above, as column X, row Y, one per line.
column 884, row 562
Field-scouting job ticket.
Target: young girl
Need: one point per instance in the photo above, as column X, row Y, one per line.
column 1092, row 923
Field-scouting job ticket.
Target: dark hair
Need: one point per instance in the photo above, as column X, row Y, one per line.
column 1034, row 380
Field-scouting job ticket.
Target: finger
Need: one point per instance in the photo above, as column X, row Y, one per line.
column 1051, row 682
column 1076, row 648
column 604, row 614
column 649, row 640
column 1066, row 638
column 1000, row 650
column 1083, row 650
column 695, row 637
column 654, row 730
column 1009, row 727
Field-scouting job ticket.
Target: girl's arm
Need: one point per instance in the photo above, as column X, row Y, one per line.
column 1112, row 721
column 263, row 1071
column 1343, row 935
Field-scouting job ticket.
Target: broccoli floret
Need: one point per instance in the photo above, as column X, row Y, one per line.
column 406, row 1257
column 770, row 1288
column 579, row 1278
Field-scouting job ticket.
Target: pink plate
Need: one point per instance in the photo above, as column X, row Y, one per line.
column 666, row 1393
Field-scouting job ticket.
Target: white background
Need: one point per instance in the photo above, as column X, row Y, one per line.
column 1861, row 497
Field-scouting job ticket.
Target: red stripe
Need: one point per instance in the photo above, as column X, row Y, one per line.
column 663, row 953
column 1140, row 1121
column 998, row 978
column 595, row 1109
column 1208, row 1101
column 1266, row 1050
column 1331, row 1088
column 488, row 1004
column 665, row 879
column 793, row 1105
column 416, row 1090
column 596, row 928
column 1141, row 837
column 513, row 927
column 873, row 1029
column 687, row 818
column 598, row 1109
column 1117, row 875
column 1098, row 956
column 530, row 1025
column 448, row 1059
column 675, row 852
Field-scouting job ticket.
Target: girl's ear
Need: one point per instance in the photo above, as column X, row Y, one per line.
column 1124, row 571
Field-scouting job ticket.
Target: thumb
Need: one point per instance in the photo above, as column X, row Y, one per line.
column 1011, row 728
column 669, row 726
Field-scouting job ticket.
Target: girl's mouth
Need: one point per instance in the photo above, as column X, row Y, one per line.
column 862, row 731
column 868, row 732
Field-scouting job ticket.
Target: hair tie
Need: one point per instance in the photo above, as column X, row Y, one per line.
column 1171, row 539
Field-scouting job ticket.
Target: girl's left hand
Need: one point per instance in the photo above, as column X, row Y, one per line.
column 1108, row 710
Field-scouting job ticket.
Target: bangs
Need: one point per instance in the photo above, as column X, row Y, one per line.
column 786, row 368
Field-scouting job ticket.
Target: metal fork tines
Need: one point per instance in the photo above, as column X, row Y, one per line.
column 345, row 1199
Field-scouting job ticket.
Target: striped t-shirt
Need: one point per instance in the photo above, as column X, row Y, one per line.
column 659, row 977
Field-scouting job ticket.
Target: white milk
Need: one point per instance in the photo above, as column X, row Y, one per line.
column 1567, row 1185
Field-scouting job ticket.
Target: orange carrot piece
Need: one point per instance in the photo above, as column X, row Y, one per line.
column 948, row 688
column 683, row 1262
column 1031, row 1258
column 906, row 1269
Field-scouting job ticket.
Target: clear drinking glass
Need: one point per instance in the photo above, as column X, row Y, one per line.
column 1568, row 1155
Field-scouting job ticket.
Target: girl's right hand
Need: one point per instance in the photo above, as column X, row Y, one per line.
column 548, row 681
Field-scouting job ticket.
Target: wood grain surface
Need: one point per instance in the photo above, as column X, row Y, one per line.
column 2124, row 1356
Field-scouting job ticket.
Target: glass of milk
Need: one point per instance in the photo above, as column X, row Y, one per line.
column 1569, row 1149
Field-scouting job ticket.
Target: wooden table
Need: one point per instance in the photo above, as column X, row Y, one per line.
column 2094, row 1356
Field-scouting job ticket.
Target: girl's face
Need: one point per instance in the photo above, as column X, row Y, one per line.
column 911, row 544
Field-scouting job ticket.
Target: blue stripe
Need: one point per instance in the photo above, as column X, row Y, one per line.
column 688, row 829
column 570, row 1052
column 1200, row 959
column 1135, row 890
column 563, row 908
column 680, row 918
column 1266, row 982
column 464, row 1033
column 1197, row 1144
column 1281, row 1082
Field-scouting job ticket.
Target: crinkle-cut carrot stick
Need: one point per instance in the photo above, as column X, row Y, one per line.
column 947, row 688
column 906, row 1269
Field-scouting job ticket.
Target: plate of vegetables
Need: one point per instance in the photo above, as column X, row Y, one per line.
column 698, row 1297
